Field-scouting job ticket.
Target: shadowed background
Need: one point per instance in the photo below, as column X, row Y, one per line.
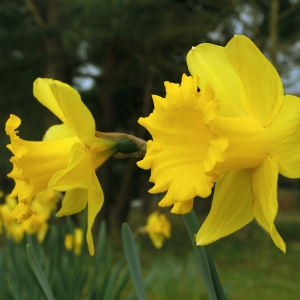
column 118, row 53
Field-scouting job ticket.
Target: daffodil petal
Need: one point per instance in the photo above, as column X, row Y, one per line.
column 243, row 134
column 58, row 132
column 65, row 102
column 264, row 187
column 11, row 124
column 22, row 211
column 95, row 202
column 74, row 201
column 231, row 207
column 182, row 207
column 261, row 87
column 157, row 240
column 284, row 137
column 210, row 64
column 79, row 164
column 42, row 92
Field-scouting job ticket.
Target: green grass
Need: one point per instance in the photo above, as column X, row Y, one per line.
column 249, row 264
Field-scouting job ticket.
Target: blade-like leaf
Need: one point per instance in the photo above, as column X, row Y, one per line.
column 133, row 261
column 40, row 275
column 204, row 261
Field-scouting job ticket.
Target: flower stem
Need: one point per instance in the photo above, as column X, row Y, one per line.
column 204, row 261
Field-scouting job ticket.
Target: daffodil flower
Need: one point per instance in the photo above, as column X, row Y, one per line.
column 65, row 160
column 257, row 129
column 158, row 227
column 74, row 241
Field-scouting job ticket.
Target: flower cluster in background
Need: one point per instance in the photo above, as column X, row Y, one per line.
column 43, row 204
column 74, row 241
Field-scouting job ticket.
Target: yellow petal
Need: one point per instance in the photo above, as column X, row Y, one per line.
column 68, row 242
column 65, row 102
column 95, row 202
column 157, row 240
column 80, row 172
column 210, row 64
column 74, row 201
column 264, row 187
column 22, row 211
column 42, row 92
column 260, row 85
column 283, row 136
column 11, row 124
column 186, row 187
column 182, row 207
column 247, row 143
column 158, row 227
column 231, row 207
column 58, row 132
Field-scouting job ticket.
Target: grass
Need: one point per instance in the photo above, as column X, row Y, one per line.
column 249, row 264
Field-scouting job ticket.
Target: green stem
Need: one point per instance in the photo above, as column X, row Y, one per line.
column 204, row 261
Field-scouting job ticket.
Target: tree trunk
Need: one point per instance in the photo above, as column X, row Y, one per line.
column 122, row 206
column 107, row 124
column 274, row 8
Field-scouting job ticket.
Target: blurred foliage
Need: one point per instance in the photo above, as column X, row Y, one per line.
column 116, row 53
column 247, row 262
column 69, row 276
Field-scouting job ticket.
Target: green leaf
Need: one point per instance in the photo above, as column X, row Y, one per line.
column 123, row 279
column 215, row 277
column 37, row 270
column 204, row 261
column 133, row 261
column 112, row 282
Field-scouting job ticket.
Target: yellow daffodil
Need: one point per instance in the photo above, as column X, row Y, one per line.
column 48, row 200
column 65, row 160
column 42, row 206
column 159, row 228
column 37, row 224
column 74, row 241
column 11, row 228
column 257, row 127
